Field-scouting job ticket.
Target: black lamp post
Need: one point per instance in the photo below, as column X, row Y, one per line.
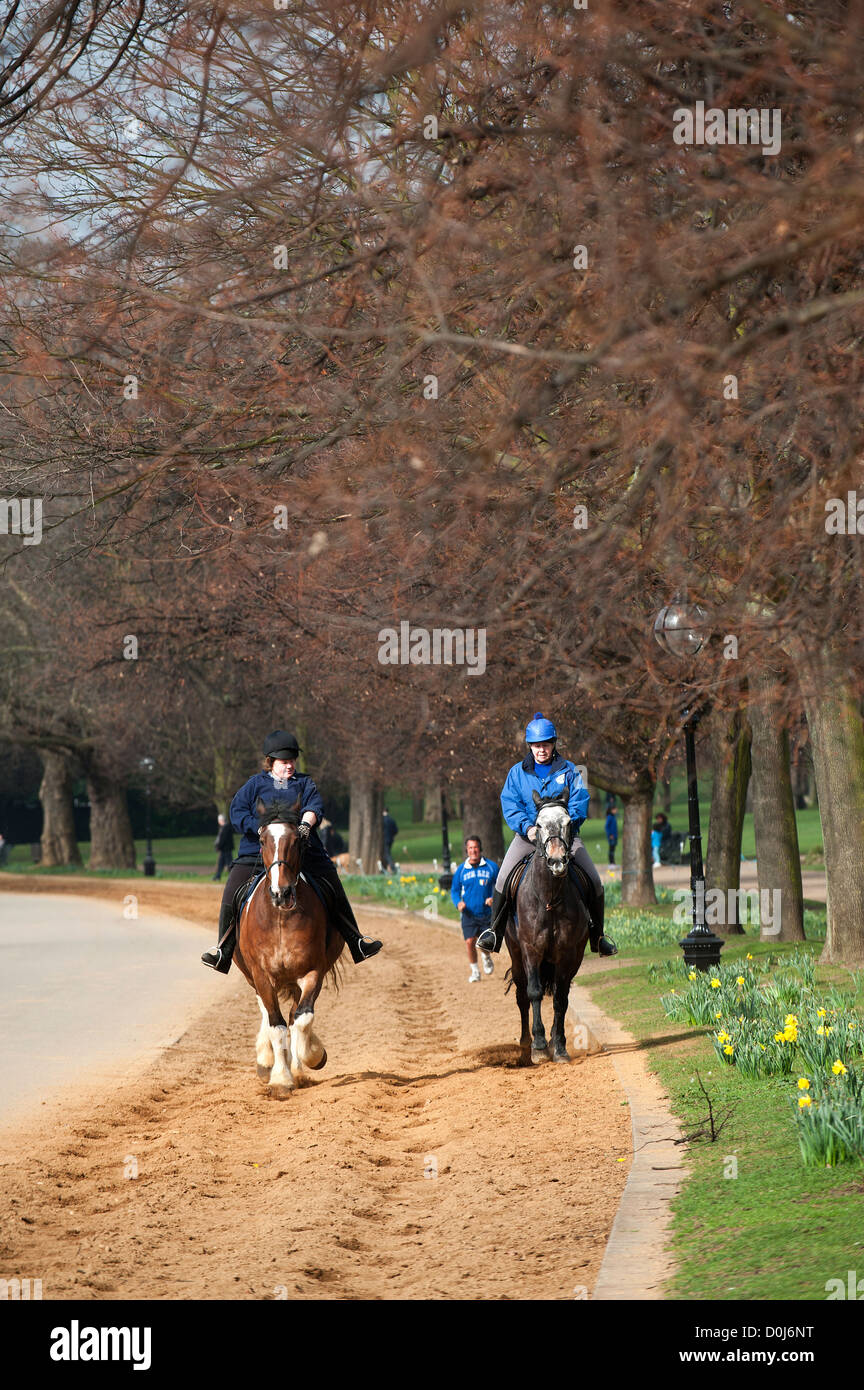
column 679, row 628
column 445, row 880
column 147, row 767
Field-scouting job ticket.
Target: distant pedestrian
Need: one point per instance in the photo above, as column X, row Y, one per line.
column 4, row 852
column 389, row 831
column 471, row 892
column 612, row 831
column 657, row 832
column 224, row 843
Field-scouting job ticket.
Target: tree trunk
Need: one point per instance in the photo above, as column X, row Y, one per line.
column 778, row 858
column 837, row 741
column 111, row 842
column 483, row 817
column 432, row 803
column 416, row 808
column 732, row 765
column 666, row 796
column 59, row 842
column 365, row 824
column 637, row 875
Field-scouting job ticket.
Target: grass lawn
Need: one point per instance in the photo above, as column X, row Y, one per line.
column 778, row 1230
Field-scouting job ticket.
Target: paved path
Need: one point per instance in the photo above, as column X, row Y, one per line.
column 85, row 994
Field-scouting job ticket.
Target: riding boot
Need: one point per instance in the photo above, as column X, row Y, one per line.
column 220, row 958
column 491, row 937
column 600, row 944
column 361, row 947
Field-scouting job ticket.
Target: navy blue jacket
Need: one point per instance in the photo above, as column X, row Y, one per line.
column 242, row 813
column 612, row 826
column 517, row 802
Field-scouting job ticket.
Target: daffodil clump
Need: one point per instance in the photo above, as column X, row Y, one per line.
column 830, row 1116
column 756, row 1047
column 413, row 891
column 730, row 990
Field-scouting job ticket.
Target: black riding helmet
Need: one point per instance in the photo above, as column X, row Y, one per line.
column 280, row 744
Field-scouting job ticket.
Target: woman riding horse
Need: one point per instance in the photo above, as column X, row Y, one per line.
column 546, row 772
column 280, row 778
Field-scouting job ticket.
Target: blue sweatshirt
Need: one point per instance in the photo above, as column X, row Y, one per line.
column 242, row 812
column 474, row 885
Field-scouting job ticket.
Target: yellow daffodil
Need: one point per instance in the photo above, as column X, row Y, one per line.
column 692, row 975
column 723, row 1037
column 804, row 1101
column 791, row 1021
column 715, row 984
column 851, row 1025
column 779, row 1037
column 820, row 1013
column 728, row 1049
column 740, row 980
column 839, row 1069
column 803, row 1083
column 749, row 957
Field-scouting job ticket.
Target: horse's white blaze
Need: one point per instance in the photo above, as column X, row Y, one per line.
column 281, row 1073
column 278, row 832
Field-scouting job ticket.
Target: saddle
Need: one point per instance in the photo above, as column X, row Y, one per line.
column 320, row 886
column 517, row 873
column 511, row 891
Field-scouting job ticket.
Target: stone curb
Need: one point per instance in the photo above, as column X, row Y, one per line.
column 637, row 1263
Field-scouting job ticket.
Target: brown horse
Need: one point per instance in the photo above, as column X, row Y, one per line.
column 548, row 944
column 285, row 948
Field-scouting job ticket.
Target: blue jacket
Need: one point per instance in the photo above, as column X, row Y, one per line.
column 611, row 826
column 517, row 803
column 242, row 812
column 474, row 886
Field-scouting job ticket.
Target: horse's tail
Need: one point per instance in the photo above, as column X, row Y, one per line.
column 547, row 976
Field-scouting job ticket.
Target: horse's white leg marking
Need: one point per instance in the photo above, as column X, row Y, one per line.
column 263, row 1046
column 309, row 1046
column 281, row 1073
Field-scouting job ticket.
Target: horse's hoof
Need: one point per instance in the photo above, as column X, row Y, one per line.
column 319, row 1065
column 561, row 1057
column 538, row 1055
column 263, row 1072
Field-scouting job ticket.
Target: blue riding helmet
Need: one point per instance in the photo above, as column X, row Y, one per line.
column 540, row 729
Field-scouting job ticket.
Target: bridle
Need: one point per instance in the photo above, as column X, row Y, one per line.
column 566, row 836
column 284, row 863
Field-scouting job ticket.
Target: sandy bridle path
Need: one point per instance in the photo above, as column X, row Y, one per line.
column 421, row 1163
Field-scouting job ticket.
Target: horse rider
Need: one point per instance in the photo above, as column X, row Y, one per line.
column 280, row 778
column 546, row 772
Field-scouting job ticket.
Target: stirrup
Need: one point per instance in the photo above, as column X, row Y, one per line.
column 487, row 940
column 367, row 948
column 217, row 961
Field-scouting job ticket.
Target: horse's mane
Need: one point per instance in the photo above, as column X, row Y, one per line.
column 279, row 809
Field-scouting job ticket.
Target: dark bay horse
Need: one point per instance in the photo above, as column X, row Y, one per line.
column 548, row 945
column 285, row 948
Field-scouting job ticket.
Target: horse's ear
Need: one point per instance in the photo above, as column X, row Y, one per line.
column 537, row 798
column 564, row 797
